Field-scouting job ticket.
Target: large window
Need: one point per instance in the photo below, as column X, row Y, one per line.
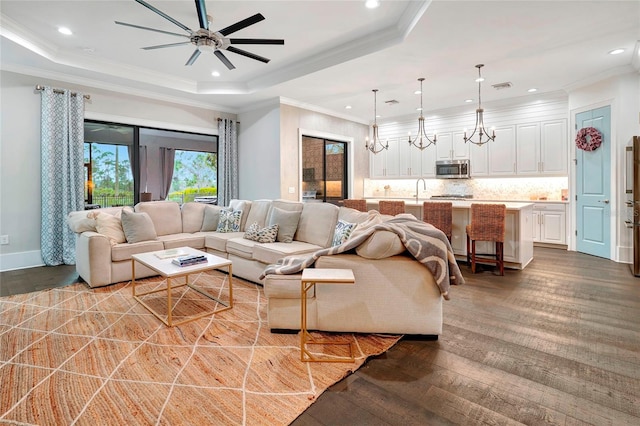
column 124, row 164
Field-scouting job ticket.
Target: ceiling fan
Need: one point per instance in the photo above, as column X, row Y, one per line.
column 205, row 39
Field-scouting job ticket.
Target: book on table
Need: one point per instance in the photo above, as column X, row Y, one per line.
column 189, row 260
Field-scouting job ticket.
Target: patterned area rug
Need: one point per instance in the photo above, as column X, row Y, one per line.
column 75, row 355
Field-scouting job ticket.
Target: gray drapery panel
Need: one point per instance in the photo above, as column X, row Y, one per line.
column 167, row 157
column 227, row 161
column 62, row 172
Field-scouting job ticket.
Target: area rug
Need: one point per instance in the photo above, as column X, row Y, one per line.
column 81, row 356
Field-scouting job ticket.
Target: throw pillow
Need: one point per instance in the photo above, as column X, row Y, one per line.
column 342, row 232
column 81, row 221
column 381, row 244
column 229, row 221
column 111, row 227
column 261, row 235
column 211, row 218
column 137, row 227
column 287, row 222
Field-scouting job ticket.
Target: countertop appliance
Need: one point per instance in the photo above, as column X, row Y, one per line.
column 632, row 189
column 453, row 169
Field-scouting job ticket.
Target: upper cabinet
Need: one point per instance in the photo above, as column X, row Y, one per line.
column 542, row 148
column 502, row 152
column 410, row 159
column 386, row 163
column 451, row 146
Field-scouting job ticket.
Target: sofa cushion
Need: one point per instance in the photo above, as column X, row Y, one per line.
column 192, row 216
column 120, row 252
column 111, row 227
column 272, row 252
column 241, row 247
column 284, row 286
column 258, row 212
column 381, row 244
column 317, row 224
column 165, row 215
column 137, row 227
column 245, row 206
column 218, row 241
column 342, row 232
column 352, row 215
column 183, row 240
column 229, row 221
column 267, row 234
column 287, row 222
column 211, row 218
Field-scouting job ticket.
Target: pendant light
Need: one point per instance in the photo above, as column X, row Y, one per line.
column 422, row 140
column 375, row 146
column 480, row 129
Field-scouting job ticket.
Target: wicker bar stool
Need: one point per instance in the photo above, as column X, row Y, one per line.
column 355, row 204
column 391, row 207
column 440, row 215
column 487, row 224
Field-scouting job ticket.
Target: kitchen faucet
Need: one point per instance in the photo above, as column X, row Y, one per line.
column 424, row 186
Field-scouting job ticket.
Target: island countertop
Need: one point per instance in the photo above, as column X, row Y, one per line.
column 457, row 204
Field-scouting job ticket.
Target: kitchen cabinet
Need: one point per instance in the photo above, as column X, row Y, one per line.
column 386, row 163
column 502, row 152
column 410, row 159
column 479, row 160
column 451, row 146
column 542, row 148
column 549, row 223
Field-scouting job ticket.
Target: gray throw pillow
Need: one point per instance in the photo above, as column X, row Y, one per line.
column 287, row 223
column 137, row 227
column 211, row 218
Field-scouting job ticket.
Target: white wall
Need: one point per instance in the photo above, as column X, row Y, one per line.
column 20, row 150
column 259, row 152
column 623, row 94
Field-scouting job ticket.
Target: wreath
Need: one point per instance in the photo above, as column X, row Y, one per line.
column 590, row 143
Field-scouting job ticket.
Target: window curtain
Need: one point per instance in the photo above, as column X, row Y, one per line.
column 167, row 157
column 227, row 161
column 62, row 172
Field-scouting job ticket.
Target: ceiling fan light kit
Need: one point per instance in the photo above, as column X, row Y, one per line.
column 479, row 127
column 206, row 40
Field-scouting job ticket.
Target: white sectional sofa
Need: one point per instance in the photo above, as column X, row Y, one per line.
column 393, row 292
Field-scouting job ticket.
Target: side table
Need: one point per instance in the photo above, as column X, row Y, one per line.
column 311, row 277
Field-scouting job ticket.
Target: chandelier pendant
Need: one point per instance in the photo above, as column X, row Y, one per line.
column 422, row 141
column 483, row 134
column 375, row 146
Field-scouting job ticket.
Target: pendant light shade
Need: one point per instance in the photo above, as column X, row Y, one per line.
column 375, row 146
column 482, row 133
column 422, row 140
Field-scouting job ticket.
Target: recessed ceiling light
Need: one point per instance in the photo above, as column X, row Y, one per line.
column 468, row 100
column 347, row 107
column 418, row 109
column 533, row 89
column 417, row 92
column 378, row 116
column 64, row 30
column 616, row 51
column 215, row 74
column 479, row 79
column 372, row 4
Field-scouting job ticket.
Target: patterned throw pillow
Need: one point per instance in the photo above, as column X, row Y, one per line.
column 229, row 221
column 261, row 235
column 342, row 232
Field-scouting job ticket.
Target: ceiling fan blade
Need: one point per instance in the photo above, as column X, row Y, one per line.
column 162, row 46
column 164, row 15
column 150, row 29
column 224, row 59
column 202, row 14
column 241, row 24
column 248, row 54
column 193, row 57
column 256, row 41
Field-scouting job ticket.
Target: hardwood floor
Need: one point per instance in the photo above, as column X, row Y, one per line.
column 557, row 343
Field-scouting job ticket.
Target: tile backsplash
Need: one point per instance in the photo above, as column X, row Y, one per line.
column 535, row 188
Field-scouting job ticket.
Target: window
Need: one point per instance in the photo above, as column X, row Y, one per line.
column 195, row 175
column 324, row 170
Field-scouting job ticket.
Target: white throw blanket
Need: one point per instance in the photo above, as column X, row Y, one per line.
column 426, row 243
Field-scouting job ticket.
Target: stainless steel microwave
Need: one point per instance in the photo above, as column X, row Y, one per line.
column 453, row 169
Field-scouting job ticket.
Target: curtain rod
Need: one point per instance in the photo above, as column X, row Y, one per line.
column 40, row 87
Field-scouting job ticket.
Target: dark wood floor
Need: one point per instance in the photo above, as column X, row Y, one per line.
column 557, row 343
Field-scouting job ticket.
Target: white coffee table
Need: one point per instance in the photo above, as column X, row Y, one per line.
column 311, row 277
column 161, row 262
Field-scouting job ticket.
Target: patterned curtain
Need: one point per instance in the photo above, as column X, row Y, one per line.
column 227, row 161
column 62, row 176
column 167, row 158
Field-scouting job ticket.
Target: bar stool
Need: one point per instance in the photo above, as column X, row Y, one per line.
column 487, row 224
column 439, row 214
column 355, row 204
column 391, row 207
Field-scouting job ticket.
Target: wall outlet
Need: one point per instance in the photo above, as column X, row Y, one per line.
column 4, row 239
column 292, row 190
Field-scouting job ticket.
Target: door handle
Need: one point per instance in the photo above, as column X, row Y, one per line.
column 604, row 201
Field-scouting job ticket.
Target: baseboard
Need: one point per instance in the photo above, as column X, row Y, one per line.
column 625, row 254
column 22, row 260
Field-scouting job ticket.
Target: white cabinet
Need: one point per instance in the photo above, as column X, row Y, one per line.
column 387, row 162
column 429, row 161
column 502, row 152
column 451, row 146
column 460, row 220
column 549, row 223
column 479, row 160
column 542, row 148
column 410, row 159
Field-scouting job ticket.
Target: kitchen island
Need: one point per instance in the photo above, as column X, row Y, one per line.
column 518, row 243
